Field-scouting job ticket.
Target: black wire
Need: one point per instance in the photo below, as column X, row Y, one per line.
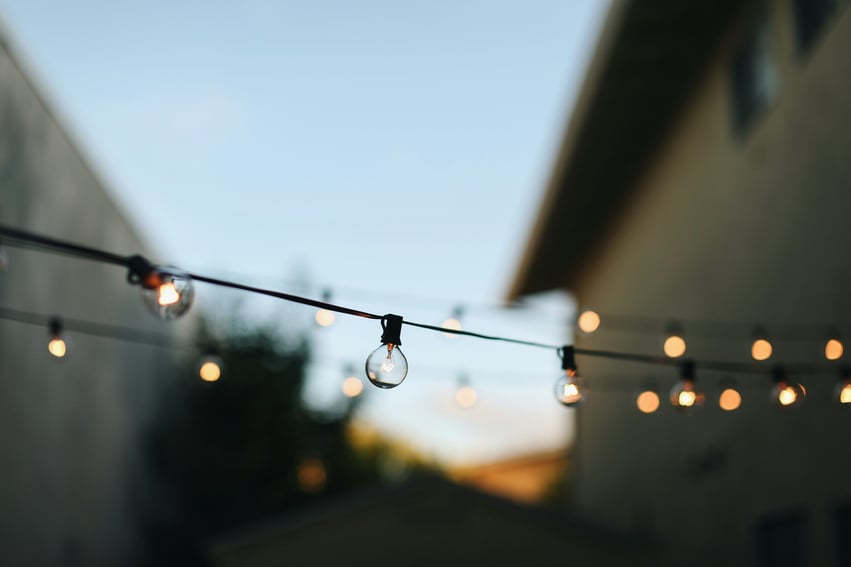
column 479, row 335
column 55, row 245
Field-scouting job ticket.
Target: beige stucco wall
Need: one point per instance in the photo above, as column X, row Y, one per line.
column 754, row 231
column 75, row 484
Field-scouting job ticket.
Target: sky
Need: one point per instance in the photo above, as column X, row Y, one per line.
column 391, row 153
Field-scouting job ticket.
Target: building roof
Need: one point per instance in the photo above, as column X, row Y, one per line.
column 646, row 63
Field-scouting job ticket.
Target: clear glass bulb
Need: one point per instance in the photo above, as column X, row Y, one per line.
column 386, row 366
column 168, row 292
column 788, row 395
column 684, row 396
column 570, row 390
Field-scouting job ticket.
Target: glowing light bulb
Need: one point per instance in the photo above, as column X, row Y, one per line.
column 684, row 395
column 570, row 390
column 57, row 347
column 387, row 366
column 761, row 349
column 730, row 399
column 453, row 324
column 167, row 292
column 352, row 387
column 845, row 392
column 210, row 369
column 325, row 318
column 833, row 349
column 647, row 401
column 675, row 346
column 466, row 396
column 589, row 321
column 785, row 393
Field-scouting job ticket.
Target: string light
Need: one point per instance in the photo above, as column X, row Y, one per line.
column 386, row 366
column 588, row 321
column 730, row 399
column 569, row 388
column 675, row 344
column 761, row 348
column 210, row 368
column 325, row 317
column 684, row 396
column 169, row 292
column 647, row 400
column 833, row 348
column 843, row 393
column 352, row 385
column 453, row 322
column 784, row 393
column 465, row 395
column 56, row 345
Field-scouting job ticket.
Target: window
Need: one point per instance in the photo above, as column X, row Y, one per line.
column 781, row 540
column 753, row 77
column 809, row 17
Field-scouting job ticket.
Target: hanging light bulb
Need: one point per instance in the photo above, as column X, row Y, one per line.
column 569, row 388
column 325, row 317
column 785, row 393
column 588, row 321
column 166, row 291
column 647, row 400
column 684, row 396
column 833, row 347
column 453, row 322
column 465, row 394
column 210, row 368
column 761, row 348
column 843, row 390
column 56, row 345
column 729, row 399
column 386, row 366
column 675, row 344
column 352, row 385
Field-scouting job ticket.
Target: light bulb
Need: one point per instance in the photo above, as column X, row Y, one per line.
column 684, row 396
column 57, row 347
column 386, row 366
column 325, row 318
column 589, row 321
column 570, row 390
column 647, row 401
column 761, row 349
column 352, row 387
column 787, row 394
column 167, row 292
column 210, row 369
column 453, row 324
column 466, row 396
column 730, row 399
column 844, row 393
column 675, row 346
column 833, row 349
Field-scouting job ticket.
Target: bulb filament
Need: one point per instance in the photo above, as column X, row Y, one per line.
column 168, row 294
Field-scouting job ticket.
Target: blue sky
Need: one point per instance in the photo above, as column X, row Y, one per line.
column 394, row 152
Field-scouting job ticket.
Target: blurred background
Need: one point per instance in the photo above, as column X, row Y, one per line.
column 637, row 177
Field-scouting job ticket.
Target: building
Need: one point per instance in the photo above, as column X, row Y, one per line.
column 703, row 181
column 77, row 486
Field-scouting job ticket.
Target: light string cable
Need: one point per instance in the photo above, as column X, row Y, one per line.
column 140, row 268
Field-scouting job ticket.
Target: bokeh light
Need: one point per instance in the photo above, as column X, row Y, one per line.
column 834, row 349
column 647, row 401
column 675, row 346
column 589, row 321
column 730, row 399
column 761, row 349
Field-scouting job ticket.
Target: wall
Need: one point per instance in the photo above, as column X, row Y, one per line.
column 76, row 486
column 751, row 230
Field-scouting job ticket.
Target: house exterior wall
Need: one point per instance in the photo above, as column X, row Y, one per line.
column 750, row 229
column 76, row 486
